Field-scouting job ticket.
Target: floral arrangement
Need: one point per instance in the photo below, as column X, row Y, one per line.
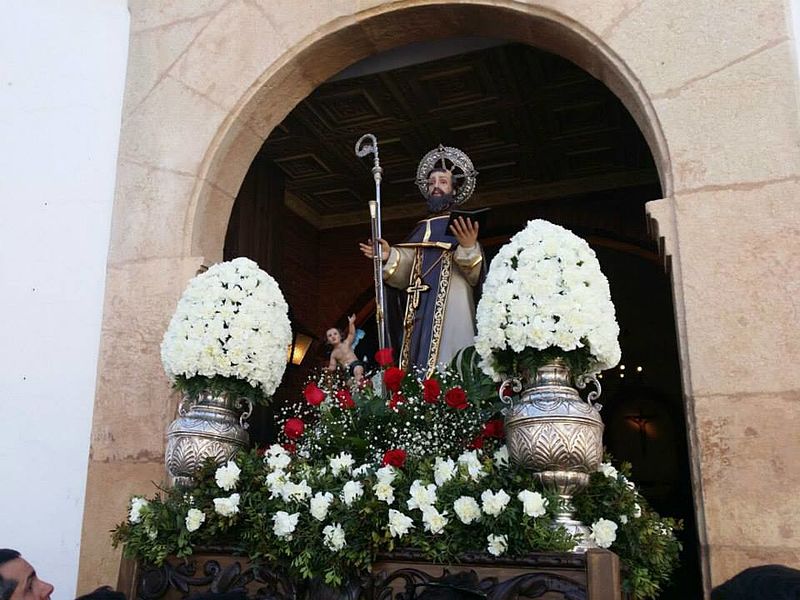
column 545, row 297
column 324, row 507
column 401, row 412
column 230, row 333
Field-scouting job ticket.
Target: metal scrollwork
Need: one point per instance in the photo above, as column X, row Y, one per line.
column 185, row 404
column 583, row 381
column 516, row 388
column 246, row 414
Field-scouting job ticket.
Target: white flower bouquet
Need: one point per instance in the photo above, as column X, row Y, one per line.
column 545, row 297
column 230, row 332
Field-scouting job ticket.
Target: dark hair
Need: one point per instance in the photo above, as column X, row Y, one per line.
column 767, row 582
column 103, row 593
column 7, row 586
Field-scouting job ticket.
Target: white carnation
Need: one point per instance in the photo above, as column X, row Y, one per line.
column 341, row 464
column 352, row 491
column 384, row 492
column 277, row 458
column 296, row 492
column 227, row 507
column 333, row 537
column 227, row 476
column 362, row 470
column 320, row 504
column 399, row 524
column 533, row 503
column 194, row 518
column 443, row 470
column 493, row 504
column 386, row 474
column 604, row 532
column 608, row 470
column 421, row 495
column 137, row 504
column 467, row 509
column 498, row 544
column 284, row 524
column 501, row 456
column 433, row 520
column 472, row 463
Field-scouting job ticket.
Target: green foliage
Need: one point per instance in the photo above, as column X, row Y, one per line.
column 646, row 545
column 530, row 359
column 237, row 388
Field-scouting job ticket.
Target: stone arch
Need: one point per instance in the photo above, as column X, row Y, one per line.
column 347, row 39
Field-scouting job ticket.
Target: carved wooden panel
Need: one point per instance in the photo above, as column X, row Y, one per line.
column 527, row 118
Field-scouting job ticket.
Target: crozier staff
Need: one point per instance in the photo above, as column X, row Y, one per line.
column 436, row 267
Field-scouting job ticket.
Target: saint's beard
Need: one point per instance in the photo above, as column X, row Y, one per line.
column 437, row 204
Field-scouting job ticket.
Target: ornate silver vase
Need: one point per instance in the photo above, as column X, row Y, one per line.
column 209, row 426
column 551, row 430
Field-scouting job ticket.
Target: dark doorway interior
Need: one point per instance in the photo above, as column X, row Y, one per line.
column 549, row 141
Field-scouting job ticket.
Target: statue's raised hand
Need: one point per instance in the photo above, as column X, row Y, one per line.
column 465, row 231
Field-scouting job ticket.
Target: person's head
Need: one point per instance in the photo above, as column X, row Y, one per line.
column 441, row 188
column 333, row 336
column 18, row 579
column 103, row 593
column 765, row 582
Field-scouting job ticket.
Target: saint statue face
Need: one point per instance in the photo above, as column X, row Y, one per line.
column 333, row 336
column 440, row 183
column 440, row 190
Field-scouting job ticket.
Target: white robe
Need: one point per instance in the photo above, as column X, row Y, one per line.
column 458, row 328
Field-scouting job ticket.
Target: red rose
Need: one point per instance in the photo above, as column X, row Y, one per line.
column 456, row 398
column 396, row 458
column 494, row 429
column 314, row 395
column 345, row 399
column 384, row 357
column 397, row 398
column 261, row 450
column 290, row 447
column 294, row 428
column 431, row 390
column 477, row 443
column 392, row 378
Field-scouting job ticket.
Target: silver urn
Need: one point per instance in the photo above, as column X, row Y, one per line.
column 208, row 426
column 551, row 430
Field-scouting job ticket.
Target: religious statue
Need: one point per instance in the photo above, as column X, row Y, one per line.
column 438, row 265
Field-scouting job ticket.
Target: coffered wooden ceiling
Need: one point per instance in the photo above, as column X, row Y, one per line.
column 535, row 125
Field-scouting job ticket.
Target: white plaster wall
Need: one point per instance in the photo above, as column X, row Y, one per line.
column 62, row 74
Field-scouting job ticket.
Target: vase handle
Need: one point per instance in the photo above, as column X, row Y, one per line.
column 516, row 387
column 246, row 414
column 184, row 405
column 581, row 384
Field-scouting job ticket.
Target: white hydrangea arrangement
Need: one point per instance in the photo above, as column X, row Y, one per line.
column 545, row 297
column 230, row 329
